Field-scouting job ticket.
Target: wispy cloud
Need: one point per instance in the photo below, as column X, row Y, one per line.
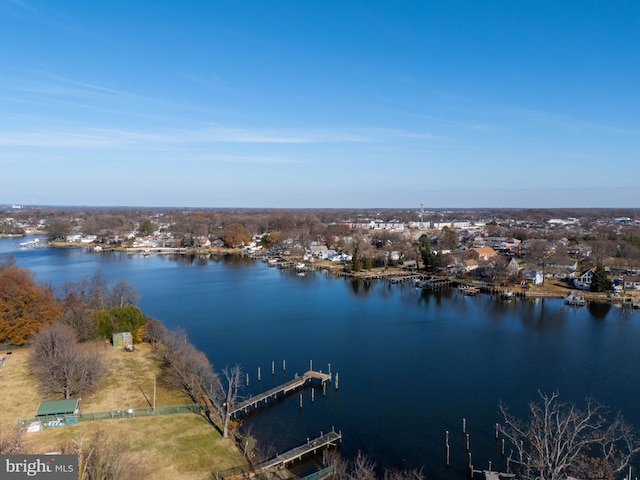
column 570, row 122
column 217, row 82
column 112, row 138
column 24, row 6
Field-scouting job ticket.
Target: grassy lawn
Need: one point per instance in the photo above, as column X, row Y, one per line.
column 163, row 447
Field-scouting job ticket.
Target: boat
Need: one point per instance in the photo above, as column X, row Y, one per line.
column 35, row 243
column 507, row 294
column 467, row 290
column 574, row 300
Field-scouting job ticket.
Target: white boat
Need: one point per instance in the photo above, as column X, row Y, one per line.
column 574, row 300
column 35, row 243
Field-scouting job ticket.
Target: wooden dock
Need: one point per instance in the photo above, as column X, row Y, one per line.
column 311, row 446
column 281, row 390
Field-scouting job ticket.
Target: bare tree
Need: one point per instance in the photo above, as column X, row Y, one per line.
column 121, row 294
column 63, row 367
column 187, row 367
column 79, row 317
column 415, row 474
column 11, row 442
column 229, row 393
column 539, row 254
column 105, row 458
column 559, row 440
column 339, row 464
column 363, row 468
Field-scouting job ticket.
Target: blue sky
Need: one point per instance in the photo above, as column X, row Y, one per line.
column 320, row 103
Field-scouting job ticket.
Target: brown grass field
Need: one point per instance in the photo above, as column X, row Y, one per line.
column 162, row 447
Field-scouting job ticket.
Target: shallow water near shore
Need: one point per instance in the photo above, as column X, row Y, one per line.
column 411, row 363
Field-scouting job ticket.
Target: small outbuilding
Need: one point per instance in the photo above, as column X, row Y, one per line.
column 122, row 339
column 57, row 408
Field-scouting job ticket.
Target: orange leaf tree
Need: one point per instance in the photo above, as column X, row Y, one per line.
column 25, row 306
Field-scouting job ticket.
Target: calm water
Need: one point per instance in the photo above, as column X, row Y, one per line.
column 411, row 364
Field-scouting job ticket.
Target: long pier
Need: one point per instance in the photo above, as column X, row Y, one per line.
column 311, row 446
column 279, row 391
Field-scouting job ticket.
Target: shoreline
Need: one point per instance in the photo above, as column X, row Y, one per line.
column 552, row 288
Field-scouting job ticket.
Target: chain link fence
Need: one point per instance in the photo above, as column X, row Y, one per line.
column 61, row 420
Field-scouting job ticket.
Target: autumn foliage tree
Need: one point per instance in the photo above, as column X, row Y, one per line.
column 234, row 235
column 25, row 306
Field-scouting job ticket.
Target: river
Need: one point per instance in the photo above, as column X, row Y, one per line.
column 411, row 363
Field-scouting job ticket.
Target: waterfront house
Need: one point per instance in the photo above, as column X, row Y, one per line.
column 631, row 282
column 321, row 251
column 470, row 264
column 583, row 281
column 532, row 276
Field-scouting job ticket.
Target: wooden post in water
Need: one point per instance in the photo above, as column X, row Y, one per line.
column 467, row 441
column 324, row 389
column 464, row 425
column 311, row 365
column 329, row 369
column 489, row 465
column 284, row 365
column 470, row 466
column 446, row 444
column 313, row 394
column 273, row 367
column 497, row 430
column 502, row 448
column 300, row 400
column 258, row 373
column 336, row 380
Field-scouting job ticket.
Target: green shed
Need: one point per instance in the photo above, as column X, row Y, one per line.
column 57, row 408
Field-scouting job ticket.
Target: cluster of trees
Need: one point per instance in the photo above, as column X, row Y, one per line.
column 65, row 332
column 188, row 369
